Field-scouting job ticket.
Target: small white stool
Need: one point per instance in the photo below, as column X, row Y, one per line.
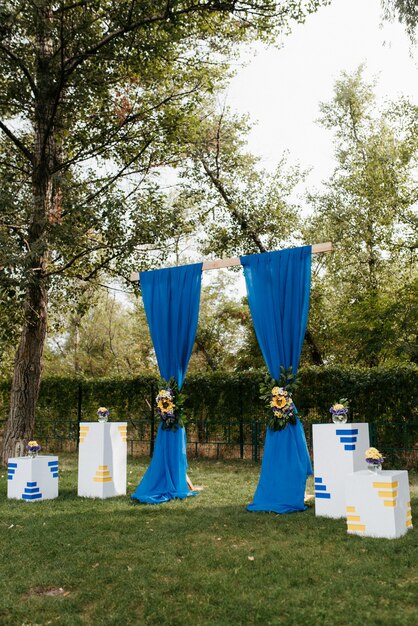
column 32, row 478
column 378, row 503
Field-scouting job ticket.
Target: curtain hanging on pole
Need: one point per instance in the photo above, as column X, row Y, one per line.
column 171, row 301
column 278, row 287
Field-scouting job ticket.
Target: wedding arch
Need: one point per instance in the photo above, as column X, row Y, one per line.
column 278, row 288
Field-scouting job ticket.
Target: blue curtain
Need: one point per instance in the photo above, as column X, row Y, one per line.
column 171, row 300
column 278, row 287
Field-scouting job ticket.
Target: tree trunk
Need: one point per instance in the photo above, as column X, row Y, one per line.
column 45, row 209
column 27, row 372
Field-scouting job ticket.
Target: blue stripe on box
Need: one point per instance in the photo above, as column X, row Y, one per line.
column 52, row 463
column 32, row 489
column 55, row 475
column 351, row 431
column 320, row 487
column 31, row 484
column 318, row 480
column 9, row 476
column 11, row 470
column 33, row 496
column 12, row 464
column 348, row 439
column 323, row 495
column 346, row 447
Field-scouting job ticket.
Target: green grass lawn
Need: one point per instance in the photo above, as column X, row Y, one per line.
column 202, row 561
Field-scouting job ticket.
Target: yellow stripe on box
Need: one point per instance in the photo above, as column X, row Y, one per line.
column 385, row 485
column 388, row 494
column 122, row 428
column 409, row 523
column 101, row 467
column 353, row 518
column 350, row 509
column 105, row 479
column 390, row 503
column 81, row 439
column 358, row 527
column 103, row 473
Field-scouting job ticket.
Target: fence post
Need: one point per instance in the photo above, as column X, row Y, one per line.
column 373, row 433
column 255, row 427
column 79, row 411
column 241, row 427
column 152, row 403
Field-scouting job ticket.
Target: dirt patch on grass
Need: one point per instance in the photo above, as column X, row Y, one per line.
column 46, row 591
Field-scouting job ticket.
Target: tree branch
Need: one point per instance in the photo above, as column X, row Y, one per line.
column 231, row 205
column 28, row 154
column 22, row 66
column 168, row 14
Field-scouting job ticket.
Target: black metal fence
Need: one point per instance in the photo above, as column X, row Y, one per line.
column 233, row 439
column 226, row 419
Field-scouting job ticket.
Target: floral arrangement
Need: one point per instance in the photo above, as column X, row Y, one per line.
column 103, row 413
column 373, row 456
column 283, row 409
column 339, row 410
column 278, row 399
column 33, row 448
column 169, row 409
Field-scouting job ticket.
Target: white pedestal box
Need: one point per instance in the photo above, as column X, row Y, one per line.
column 338, row 450
column 32, row 479
column 102, row 459
column 378, row 504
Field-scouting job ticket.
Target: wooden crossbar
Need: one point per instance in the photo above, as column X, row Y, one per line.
column 317, row 248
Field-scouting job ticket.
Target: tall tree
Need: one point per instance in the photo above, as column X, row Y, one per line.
column 100, row 336
column 104, row 84
column 244, row 208
column 367, row 208
column 405, row 11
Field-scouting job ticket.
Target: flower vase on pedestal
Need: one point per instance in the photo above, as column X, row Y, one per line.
column 102, row 414
column 374, row 468
column 339, row 419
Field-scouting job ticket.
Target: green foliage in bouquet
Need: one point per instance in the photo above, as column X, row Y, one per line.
column 170, row 403
column 277, row 396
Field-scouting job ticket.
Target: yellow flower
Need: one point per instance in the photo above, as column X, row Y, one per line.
column 337, row 406
column 278, row 402
column 165, row 405
column 32, row 444
column 372, row 453
column 275, row 391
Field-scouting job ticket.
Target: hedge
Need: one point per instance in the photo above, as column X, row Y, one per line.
column 218, row 405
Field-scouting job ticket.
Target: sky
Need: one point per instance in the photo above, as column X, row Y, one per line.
column 281, row 88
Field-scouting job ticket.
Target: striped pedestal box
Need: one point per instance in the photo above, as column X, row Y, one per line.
column 32, row 479
column 338, row 450
column 378, row 504
column 102, row 459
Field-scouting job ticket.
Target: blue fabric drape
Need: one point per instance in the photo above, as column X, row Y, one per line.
column 171, row 300
column 278, row 287
column 165, row 478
